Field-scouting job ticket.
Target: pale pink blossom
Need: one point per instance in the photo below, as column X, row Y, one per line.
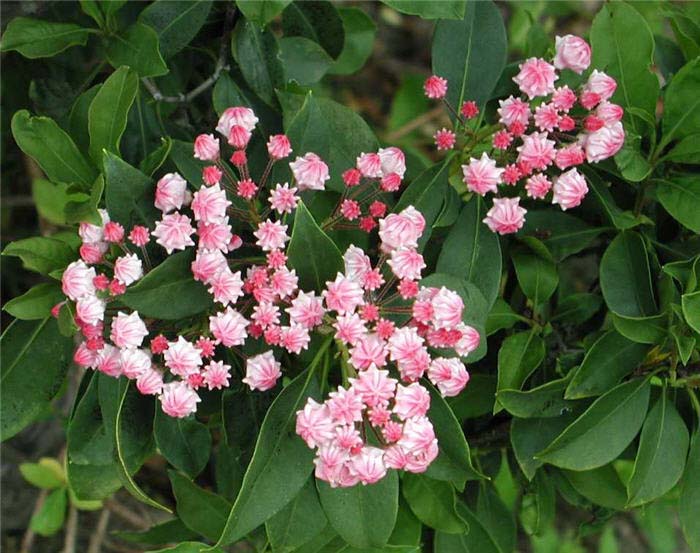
column 284, row 282
column 563, row 98
column 134, row 362
column 84, row 356
column 370, row 165
column 605, row 142
column 294, row 338
column 271, row 235
column 418, row 435
column 435, row 87
column 449, row 375
column 407, row 263
column 345, row 406
column 241, row 116
column 572, row 53
column 546, row 117
column 481, row 175
column 108, row 361
column 314, row 424
column 374, row 385
column 369, row 350
column 262, row 372
column 411, row 401
column 347, row 437
column 114, row 232
column 266, row 314
column 306, row 310
column 174, row 232
column 214, row 236
column 278, row 146
column 238, row 137
column 368, row 465
column 310, row 172
column 170, row 192
column 283, row 199
column 514, row 110
column 139, row 236
column 128, row 331
column 610, row 113
column 76, row 281
column 217, row 375
column 330, row 464
column 349, row 328
column 537, row 150
column 150, row 382
column 538, row 186
column 569, row 156
column 206, row 147
column 357, row 263
column 506, row 216
column 207, row 264
column 91, row 234
column 601, row 84
column 229, row 327
column 393, row 161
column 90, row 309
column 343, row 294
column 128, row 268
column 93, row 253
column 404, row 344
column 182, row 357
column 226, row 286
column 178, row 400
column 536, row 77
column 569, row 189
column 469, row 340
column 402, row 229
column 209, row 204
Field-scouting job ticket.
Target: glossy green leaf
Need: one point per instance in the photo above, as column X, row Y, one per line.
column 477, row 539
column 49, row 519
column 689, row 504
column 407, row 530
column 108, row 112
column 154, row 160
column 262, row 11
column 128, row 193
column 51, row 199
column 256, row 53
column 537, row 507
column 497, row 519
column 35, row 38
column 577, row 308
column 304, row 61
column 476, row 399
column 502, row 317
column 185, row 443
column 41, row 254
column 562, row 233
column 36, row 303
column 55, row 152
column 603, row 431
column 536, row 270
column 433, row 502
column 201, row 510
column 318, row 21
column 35, row 358
column 625, row 277
column 152, row 295
column 601, row 486
column 360, row 31
column 644, row 330
column 680, row 197
column 189, row 167
column 660, row 460
column 173, row 530
column 686, row 151
column 546, row 400
column 622, row 220
column 691, row 310
column 363, row 516
column 682, row 105
column 189, row 547
column 610, row 358
column 46, row 474
column 138, row 48
column 529, row 436
column 470, row 53
column 446, row 9
column 176, row 22
column 472, row 252
column 519, row 356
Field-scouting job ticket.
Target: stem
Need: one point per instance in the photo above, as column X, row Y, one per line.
column 694, row 401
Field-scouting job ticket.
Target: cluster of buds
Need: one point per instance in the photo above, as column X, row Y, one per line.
column 387, row 326
column 541, row 136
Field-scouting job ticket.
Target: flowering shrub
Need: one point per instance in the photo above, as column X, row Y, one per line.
column 334, row 344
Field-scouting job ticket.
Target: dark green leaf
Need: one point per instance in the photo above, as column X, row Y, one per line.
column 433, row 502
column 502, row 317
column 202, row 511
column 318, row 21
column 518, row 358
column 622, row 220
column 408, row 528
column 682, row 105
column 36, row 303
column 151, row 163
column 303, row 60
column 529, row 436
column 262, row 11
column 476, row 540
column 680, row 197
column 128, row 193
column 562, row 233
column 189, row 167
column 602, row 486
column 686, row 151
column 34, row 38
column 51, row 199
column 644, row 330
column 690, row 496
column 446, row 9
column 185, row 443
column 189, row 547
column 577, row 308
column 360, row 31
column 691, row 310
column 160, row 534
column 40, row 254
column 536, row 270
column 546, row 400
column 137, row 48
column 49, row 519
column 175, row 22
column 256, row 53
column 496, row 518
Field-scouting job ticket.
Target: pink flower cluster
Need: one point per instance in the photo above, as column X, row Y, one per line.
column 386, row 325
column 541, row 137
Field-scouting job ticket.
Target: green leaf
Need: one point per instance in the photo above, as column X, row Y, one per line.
column 151, row 163
column 34, row 38
column 690, row 496
column 163, row 533
column 472, row 252
column 128, row 193
column 175, row 22
column 433, row 502
column 262, row 11
column 603, row 431
column 51, row 199
column 55, row 152
column 407, row 530
column 202, row 511
column 46, row 474
column 680, row 197
column 40, row 254
column 446, row 9
column 610, row 358
column 360, row 31
column 691, row 310
column 256, row 53
column 281, row 462
column 298, row 523
column 364, row 516
column 189, row 167
column 189, row 547
column 50, row 517
column 137, row 48
column 602, row 486
column 644, row 330
column 304, row 61
column 108, row 111
column 470, row 53
column 476, row 540
column 563, row 234
column 318, row 21
column 536, row 270
column 546, row 400
column 36, row 303
column 518, row 358
column 623, row 47
column 622, row 220
column 537, row 507
column 577, row 308
column 313, row 270
column 660, row 460
column 686, row 151
column 92, row 8
column 682, row 105
column 497, row 519
column 35, row 358
column 625, row 277
column 152, row 295
column 502, row 317
column 476, row 399
column 185, row 443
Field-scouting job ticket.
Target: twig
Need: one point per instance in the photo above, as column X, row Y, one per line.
column 415, row 123
column 71, row 530
column 220, row 67
column 125, row 514
column 98, row 535
column 29, row 535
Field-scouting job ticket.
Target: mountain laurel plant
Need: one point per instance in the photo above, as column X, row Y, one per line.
column 335, row 345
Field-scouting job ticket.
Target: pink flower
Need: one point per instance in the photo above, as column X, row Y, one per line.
column 93, row 253
column 350, row 209
column 90, row 309
column 331, row 466
column 570, row 156
column 262, row 372
column 368, row 465
column 514, row 110
column 134, row 362
column 128, row 268
column 352, row 177
column 546, row 117
column 266, row 314
column 411, row 401
column 207, row 264
column 206, row 147
column 369, row 350
column 139, row 236
column 173, row 232
column 589, row 99
column 226, row 286
column 572, row 53
column 402, row 229
column 84, row 356
column 91, row 234
column 569, row 189
column 108, row 361
column 211, row 175
column 310, row 172
column 601, row 84
column 271, row 235
column 502, row 140
column 435, row 87
column 170, row 192
column 114, row 232
column 150, row 382
column 405, row 344
column 563, row 98
column 357, row 263
column 238, row 137
column 449, row 375
column 178, row 399
column 605, row 143
column 343, row 294
column 481, row 175
column 506, row 216
column 390, row 182
column 345, row 406
column 209, row 204
column 469, row 109
column 418, row 435
column 241, row 116
column 511, row 174
column 246, row 189
column 182, row 358
column 76, row 281
column 349, row 328
column 294, row 338
column 370, row 165
column 444, row 139
column 128, row 331
column 278, row 146
column 306, row 310
column 283, row 199
column 537, row 150
column 447, row 308
column 469, row 340
column 217, row 375
column 284, row 282
column 214, row 236
column 393, row 161
column 536, row 77
column 377, row 208
column 375, row 386
column 314, row 424
column 538, row 186
column 229, row 327
column 406, row 263
column 610, row 113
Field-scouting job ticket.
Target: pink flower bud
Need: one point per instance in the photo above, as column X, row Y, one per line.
column 572, row 53
column 206, row 147
column 279, row 147
column 435, row 87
